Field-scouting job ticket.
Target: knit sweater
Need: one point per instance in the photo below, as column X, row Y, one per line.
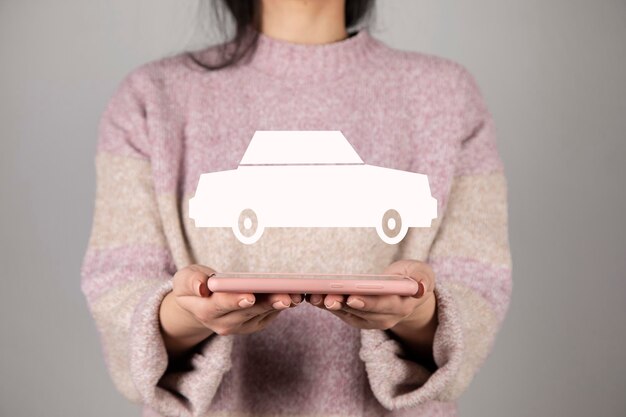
column 169, row 121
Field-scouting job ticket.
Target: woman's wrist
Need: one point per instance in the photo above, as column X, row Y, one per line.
column 417, row 332
column 180, row 330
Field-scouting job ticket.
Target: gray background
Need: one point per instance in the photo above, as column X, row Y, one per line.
column 553, row 74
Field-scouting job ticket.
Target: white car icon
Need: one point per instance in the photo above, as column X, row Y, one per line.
column 310, row 179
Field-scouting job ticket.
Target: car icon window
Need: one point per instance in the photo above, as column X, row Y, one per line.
column 299, row 147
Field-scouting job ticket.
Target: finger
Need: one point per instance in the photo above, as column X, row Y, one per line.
column 296, row 298
column 258, row 322
column 415, row 269
column 382, row 304
column 368, row 320
column 370, row 316
column 421, row 289
column 258, row 318
column 264, row 302
column 333, row 301
column 217, row 305
column 425, row 288
column 203, row 287
column 235, row 319
column 247, row 321
column 362, row 320
column 200, row 307
column 226, row 302
column 421, row 272
column 192, row 280
column 354, row 320
column 326, row 301
column 315, row 299
column 424, row 275
column 279, row 301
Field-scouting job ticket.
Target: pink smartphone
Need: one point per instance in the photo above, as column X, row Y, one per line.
column 297, row 283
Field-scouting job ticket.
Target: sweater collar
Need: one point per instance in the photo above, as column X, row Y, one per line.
column 311, row 62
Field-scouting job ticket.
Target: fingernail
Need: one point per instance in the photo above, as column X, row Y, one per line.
column 356, row 303
column 296, row 299
column 315, row 299
column 244, row 302
column 332, row 305
column 279, row 305
column 421, row 289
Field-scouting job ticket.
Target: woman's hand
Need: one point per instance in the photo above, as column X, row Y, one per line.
column 412, row 319
column 190, row 312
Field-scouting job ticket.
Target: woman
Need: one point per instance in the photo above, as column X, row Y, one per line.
column 295, row 65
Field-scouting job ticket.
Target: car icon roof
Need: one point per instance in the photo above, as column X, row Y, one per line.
column 286, row 147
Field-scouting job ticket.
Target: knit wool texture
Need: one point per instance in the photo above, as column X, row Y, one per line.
column 169, row 121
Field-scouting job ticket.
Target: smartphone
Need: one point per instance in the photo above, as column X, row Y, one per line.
column 301, row 283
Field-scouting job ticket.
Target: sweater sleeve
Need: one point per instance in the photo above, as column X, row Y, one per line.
column 471, row 259
column 127, row 270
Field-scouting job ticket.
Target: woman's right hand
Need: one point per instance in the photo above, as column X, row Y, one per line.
column 190, row 312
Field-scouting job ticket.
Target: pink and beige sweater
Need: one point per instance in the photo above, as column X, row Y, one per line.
column 170, row 121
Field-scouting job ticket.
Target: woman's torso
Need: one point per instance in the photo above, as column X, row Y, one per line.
column 393, row 110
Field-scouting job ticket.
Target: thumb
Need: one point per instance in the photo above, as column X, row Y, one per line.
column 193, row 281
column 419, row 271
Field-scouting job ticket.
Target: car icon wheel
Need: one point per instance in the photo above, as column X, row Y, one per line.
column 247, row 227
column 390, row 228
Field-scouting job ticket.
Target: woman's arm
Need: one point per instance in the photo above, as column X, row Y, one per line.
column 417, row 333
column 128, row 267
column 471, row 260
column 180, row 330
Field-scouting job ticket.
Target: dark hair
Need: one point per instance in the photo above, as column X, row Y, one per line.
column 245, row 15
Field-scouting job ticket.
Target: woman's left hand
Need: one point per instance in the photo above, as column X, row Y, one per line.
column 386, row 311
